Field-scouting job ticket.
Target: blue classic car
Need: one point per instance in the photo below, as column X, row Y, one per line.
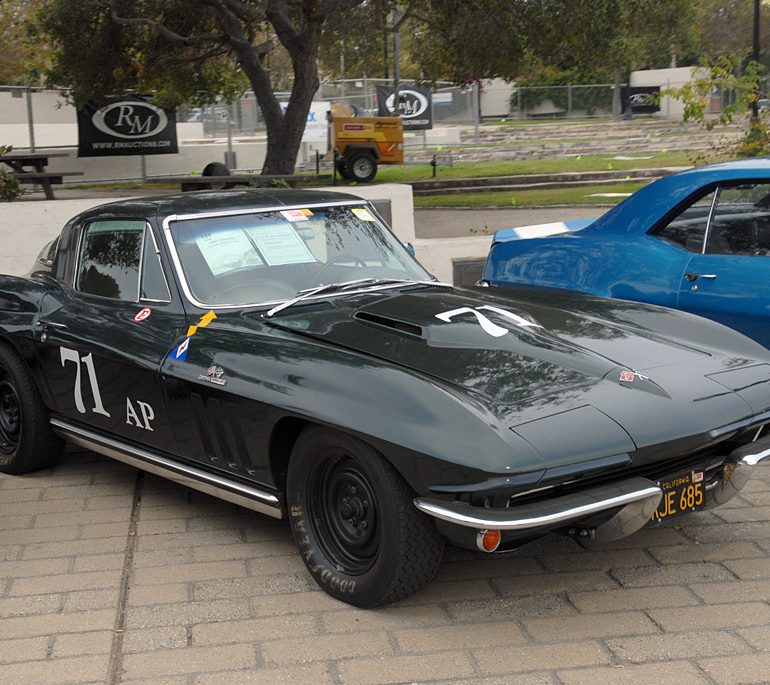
column 698, row 240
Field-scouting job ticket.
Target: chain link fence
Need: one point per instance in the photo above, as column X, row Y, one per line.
column 570, row 101
column 35, row 118
column 451, row 105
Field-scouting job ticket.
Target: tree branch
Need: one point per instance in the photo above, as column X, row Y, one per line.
column 406, row 15
column 161, row 29
column 277, row 15
column 331, row 6
column 246, row 12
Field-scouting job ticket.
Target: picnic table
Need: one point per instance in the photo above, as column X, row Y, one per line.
column 231, row 180
column 30, row 167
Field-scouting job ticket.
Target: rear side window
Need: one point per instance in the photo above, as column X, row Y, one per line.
column 688, row 228
column 740, row 224
column 110, row 259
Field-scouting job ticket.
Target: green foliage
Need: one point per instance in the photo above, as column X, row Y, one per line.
column 194, row 51
column 10, row 188
column 469, row 39
column 23, row 54
column 726, row 27
column 117, row 58
column 724, row 74
column 756, row 141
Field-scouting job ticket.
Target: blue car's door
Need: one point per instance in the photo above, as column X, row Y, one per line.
column 730, row 282
column 731, row 289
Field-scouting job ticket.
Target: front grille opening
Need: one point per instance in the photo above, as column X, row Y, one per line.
column 708, row 459
column 393, row 324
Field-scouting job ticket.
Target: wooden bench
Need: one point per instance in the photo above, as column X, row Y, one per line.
column 29, row 167
column 45, row 179
column 222, row 182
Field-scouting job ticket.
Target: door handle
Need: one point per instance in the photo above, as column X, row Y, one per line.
column 694, row 277
column 44, row 327
column 52, row 324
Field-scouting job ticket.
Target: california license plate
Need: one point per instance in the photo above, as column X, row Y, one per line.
column 682, row 494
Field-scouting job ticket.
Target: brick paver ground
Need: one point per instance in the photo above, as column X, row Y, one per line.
column 108, row 576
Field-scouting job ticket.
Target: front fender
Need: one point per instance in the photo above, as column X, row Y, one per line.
column 432, row 433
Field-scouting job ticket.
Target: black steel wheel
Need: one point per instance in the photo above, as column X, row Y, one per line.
column 354, row 522
column 342, row 170
column 361, row 166
column 27, row 442
column 10, row 416
column 216, row 169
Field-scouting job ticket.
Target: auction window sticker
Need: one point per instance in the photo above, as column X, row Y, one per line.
column 362, row 214
column 227, row 248
column 280, row 243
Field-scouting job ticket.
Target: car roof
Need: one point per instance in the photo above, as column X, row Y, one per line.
column 639, row 212
column 206, row 201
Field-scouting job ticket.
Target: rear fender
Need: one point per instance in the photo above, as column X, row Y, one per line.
column 21, row 300
column 22, row 303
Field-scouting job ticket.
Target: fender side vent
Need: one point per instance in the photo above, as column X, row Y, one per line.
column 393, row 324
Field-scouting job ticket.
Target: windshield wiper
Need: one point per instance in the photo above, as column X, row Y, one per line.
column 347, row 285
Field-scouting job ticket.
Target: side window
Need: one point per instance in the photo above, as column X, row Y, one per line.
column 48, row 253
column 110, row 254
column 154, row 287
column 688, row 228
column 741, row 221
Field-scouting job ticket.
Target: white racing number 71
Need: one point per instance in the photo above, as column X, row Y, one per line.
column 68, row 355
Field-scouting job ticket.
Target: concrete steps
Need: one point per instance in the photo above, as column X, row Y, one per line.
column 535, row 181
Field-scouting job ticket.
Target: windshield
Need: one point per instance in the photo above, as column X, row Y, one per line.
column 270, row 256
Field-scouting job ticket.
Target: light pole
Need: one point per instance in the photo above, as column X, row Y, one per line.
column 755, row 57
column 397, row 14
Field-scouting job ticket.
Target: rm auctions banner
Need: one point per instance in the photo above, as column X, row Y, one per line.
column 126, row 126
column 643, row 99
column 414, row 105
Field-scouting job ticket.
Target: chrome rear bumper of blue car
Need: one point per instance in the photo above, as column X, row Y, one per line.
column 634, row 501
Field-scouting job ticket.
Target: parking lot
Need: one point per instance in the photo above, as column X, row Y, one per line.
column 108, row 575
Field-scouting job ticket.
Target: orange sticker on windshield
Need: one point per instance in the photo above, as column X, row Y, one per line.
column 294, row 215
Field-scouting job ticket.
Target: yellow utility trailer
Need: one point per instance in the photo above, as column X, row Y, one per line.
column 361, row 143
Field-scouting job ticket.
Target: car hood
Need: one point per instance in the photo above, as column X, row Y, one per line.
column 599, row 368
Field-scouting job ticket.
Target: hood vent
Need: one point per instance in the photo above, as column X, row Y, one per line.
column 392, row 324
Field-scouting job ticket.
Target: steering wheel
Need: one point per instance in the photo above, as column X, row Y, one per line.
column 267, row 289
column 341, row 257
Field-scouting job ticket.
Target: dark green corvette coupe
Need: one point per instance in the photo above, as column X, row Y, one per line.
column 283, row 351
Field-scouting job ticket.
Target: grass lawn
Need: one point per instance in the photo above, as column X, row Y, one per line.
column 580, row 195
column 415, row 172
column 523, row 198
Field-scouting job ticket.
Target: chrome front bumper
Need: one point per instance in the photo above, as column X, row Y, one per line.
column 635, row 499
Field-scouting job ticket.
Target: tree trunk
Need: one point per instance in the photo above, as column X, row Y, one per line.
column 285, row 138
column 284, row 129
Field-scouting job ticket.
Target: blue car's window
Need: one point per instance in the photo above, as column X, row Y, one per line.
column 741, row 221
column 270, row 256
column 688, row 228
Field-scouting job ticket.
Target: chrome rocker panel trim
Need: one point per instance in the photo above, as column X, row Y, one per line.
column 639, row 493
column 197, row 479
